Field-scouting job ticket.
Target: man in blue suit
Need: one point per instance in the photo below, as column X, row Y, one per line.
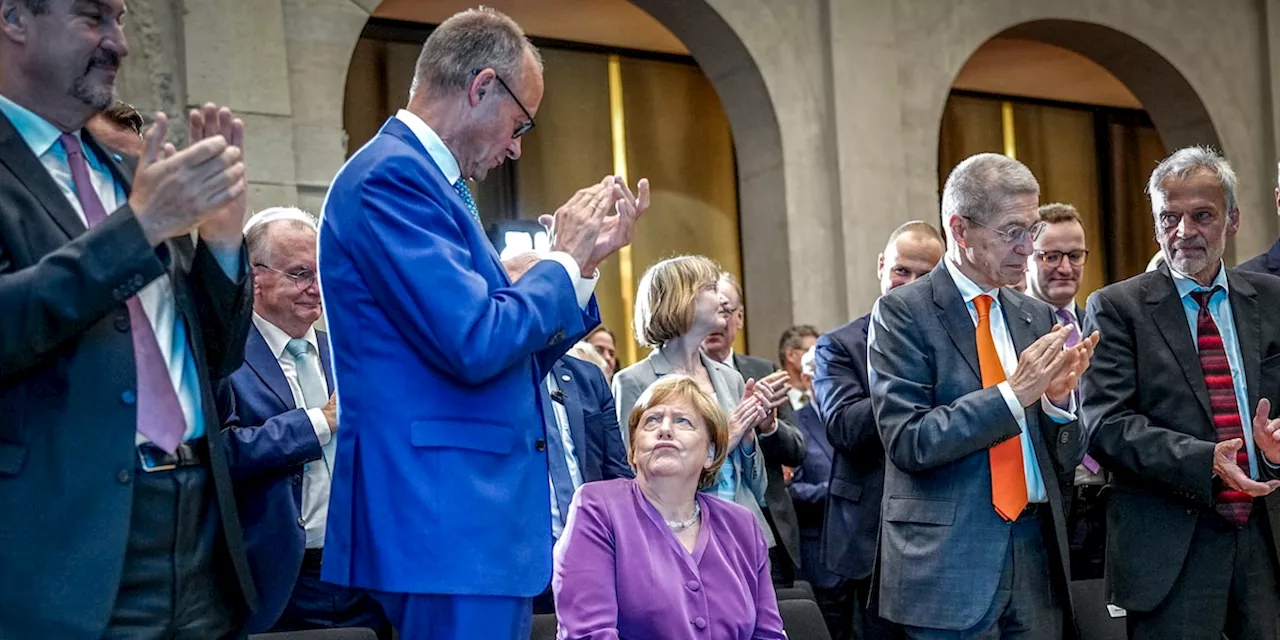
column 440, row 499
column 969, row 381
column 843, row 397
column 281, row 445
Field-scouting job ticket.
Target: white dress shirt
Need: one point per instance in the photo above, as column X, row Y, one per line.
column 317, row 476
column 1009, row 362
column 582, row 286
column 570, row 456
column 157, row 299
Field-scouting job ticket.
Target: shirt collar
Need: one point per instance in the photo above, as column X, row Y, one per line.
column 277, row 339
column 968, row 288
column 1185, row 284
column 728, row 360
column 436, row 148
column 39, row 134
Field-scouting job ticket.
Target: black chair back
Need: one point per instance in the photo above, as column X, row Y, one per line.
column 802, row 620
column 354, row 633
column 544, row 627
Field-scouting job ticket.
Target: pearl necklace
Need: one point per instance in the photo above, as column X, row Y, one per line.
column 681, row 525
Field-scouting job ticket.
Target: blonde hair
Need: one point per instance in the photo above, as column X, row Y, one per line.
column 674, row 388
column 667, row 296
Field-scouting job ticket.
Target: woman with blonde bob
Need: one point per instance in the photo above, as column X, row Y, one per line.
column 677, row 306
column 654, row 558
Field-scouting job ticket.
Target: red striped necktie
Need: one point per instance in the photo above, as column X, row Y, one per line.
column 1234, row 505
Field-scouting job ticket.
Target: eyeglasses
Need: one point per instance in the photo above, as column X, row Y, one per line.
column 302, row 279
column 1015, row 235
column 523, row 127
column 1054, row 258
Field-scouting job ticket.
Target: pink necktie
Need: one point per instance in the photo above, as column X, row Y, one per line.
column 1072, row 340
column 160, row 416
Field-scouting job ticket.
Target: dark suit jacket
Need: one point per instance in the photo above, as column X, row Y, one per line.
column 67, row 425
column 593, row 420
column 1146, row 402
column 1268, row 262
column 269, row 441
column 809, row 484
column 843, row 399
column 942, row 544
column 784, row 447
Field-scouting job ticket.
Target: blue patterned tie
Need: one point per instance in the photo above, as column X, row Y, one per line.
column 557, row 463
column 463, row 192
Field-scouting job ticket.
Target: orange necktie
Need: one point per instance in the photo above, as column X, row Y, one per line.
column 1008, row 480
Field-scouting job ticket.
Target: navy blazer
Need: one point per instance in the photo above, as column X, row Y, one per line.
column 269, row 441
column 593, row 420
column 1268, row 262
column 809, row 484
column 843, row 399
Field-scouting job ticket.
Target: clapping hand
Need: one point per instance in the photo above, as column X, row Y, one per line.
column 223, row 226
column 1266, row 432
column 1073, row 366
column 583, row 228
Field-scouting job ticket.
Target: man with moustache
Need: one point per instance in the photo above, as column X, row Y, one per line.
column 1053, row 277
column 120, row 520
column 842, row 397
column 1180, row 398
column 972, row 390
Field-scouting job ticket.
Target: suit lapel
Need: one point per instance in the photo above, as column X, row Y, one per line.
column 1168, row 315
column 954, row 315
column 1018, row 320
column 322, row 340
column 573, row 408
column 264, row 363
column 1244, row 309
column 23, row 164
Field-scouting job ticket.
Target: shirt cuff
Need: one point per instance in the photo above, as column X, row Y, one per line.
column 1011, row 399
column 321, row 425
column 583, row 286
column 1058, row 414
column 229, row 260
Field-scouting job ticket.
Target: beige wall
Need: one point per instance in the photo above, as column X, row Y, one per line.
column 834, row 106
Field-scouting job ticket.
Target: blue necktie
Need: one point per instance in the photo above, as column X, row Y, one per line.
column 557, row 463
column 463, row 192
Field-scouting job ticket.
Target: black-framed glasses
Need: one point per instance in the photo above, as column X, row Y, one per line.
column 1054, row 258
column 302, row 279
column 1015, row 235
column 523, row 127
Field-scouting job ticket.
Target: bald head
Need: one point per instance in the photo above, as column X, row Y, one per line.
column 913, row 250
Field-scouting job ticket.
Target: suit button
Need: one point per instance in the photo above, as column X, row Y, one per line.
column 302, row 523
column 693, row 585
column 557, row 337
column 297, row 480
column 137, row 281
column 128, row 397
column 700, row 622
column 124, row 476
column 540, row 444
column 121, row 322
column 1064, row 437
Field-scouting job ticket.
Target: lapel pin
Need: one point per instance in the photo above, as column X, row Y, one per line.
column 116, row 157
column 565, row 377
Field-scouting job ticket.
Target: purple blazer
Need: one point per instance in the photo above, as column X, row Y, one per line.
column 621, row 573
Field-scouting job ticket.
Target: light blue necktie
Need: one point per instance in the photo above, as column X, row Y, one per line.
column 307, row 367
column 465, row 193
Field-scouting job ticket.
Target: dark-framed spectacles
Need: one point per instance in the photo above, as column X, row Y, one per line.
column 1054, row 258
column 1015, row 235
column 523, row 127
column 302, row 279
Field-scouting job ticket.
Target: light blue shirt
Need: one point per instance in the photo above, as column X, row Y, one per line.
column 157, row 298
column 570, row 457
column 1220, row 309
column 969, row 290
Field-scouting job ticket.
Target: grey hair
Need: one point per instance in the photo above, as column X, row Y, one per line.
column 979, row 183
column 469, row 41
column 1189, row 160
column 256, row 240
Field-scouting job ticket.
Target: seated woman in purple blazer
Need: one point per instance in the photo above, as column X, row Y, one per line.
column 653, row 557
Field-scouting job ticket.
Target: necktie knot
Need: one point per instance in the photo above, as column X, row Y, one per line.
column 297, row 348
column 983, row 305
column 1203, row 296
column 464, row 193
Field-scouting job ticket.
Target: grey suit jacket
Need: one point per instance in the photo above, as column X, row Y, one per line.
column 631, row 382
column 942, row 545
column 786, row 446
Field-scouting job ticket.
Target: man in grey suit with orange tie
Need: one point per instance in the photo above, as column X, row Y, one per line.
column 971, row 384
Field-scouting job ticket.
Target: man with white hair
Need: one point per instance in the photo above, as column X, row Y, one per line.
column 1179, row 400
column 283, row 424
column 972, row 385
